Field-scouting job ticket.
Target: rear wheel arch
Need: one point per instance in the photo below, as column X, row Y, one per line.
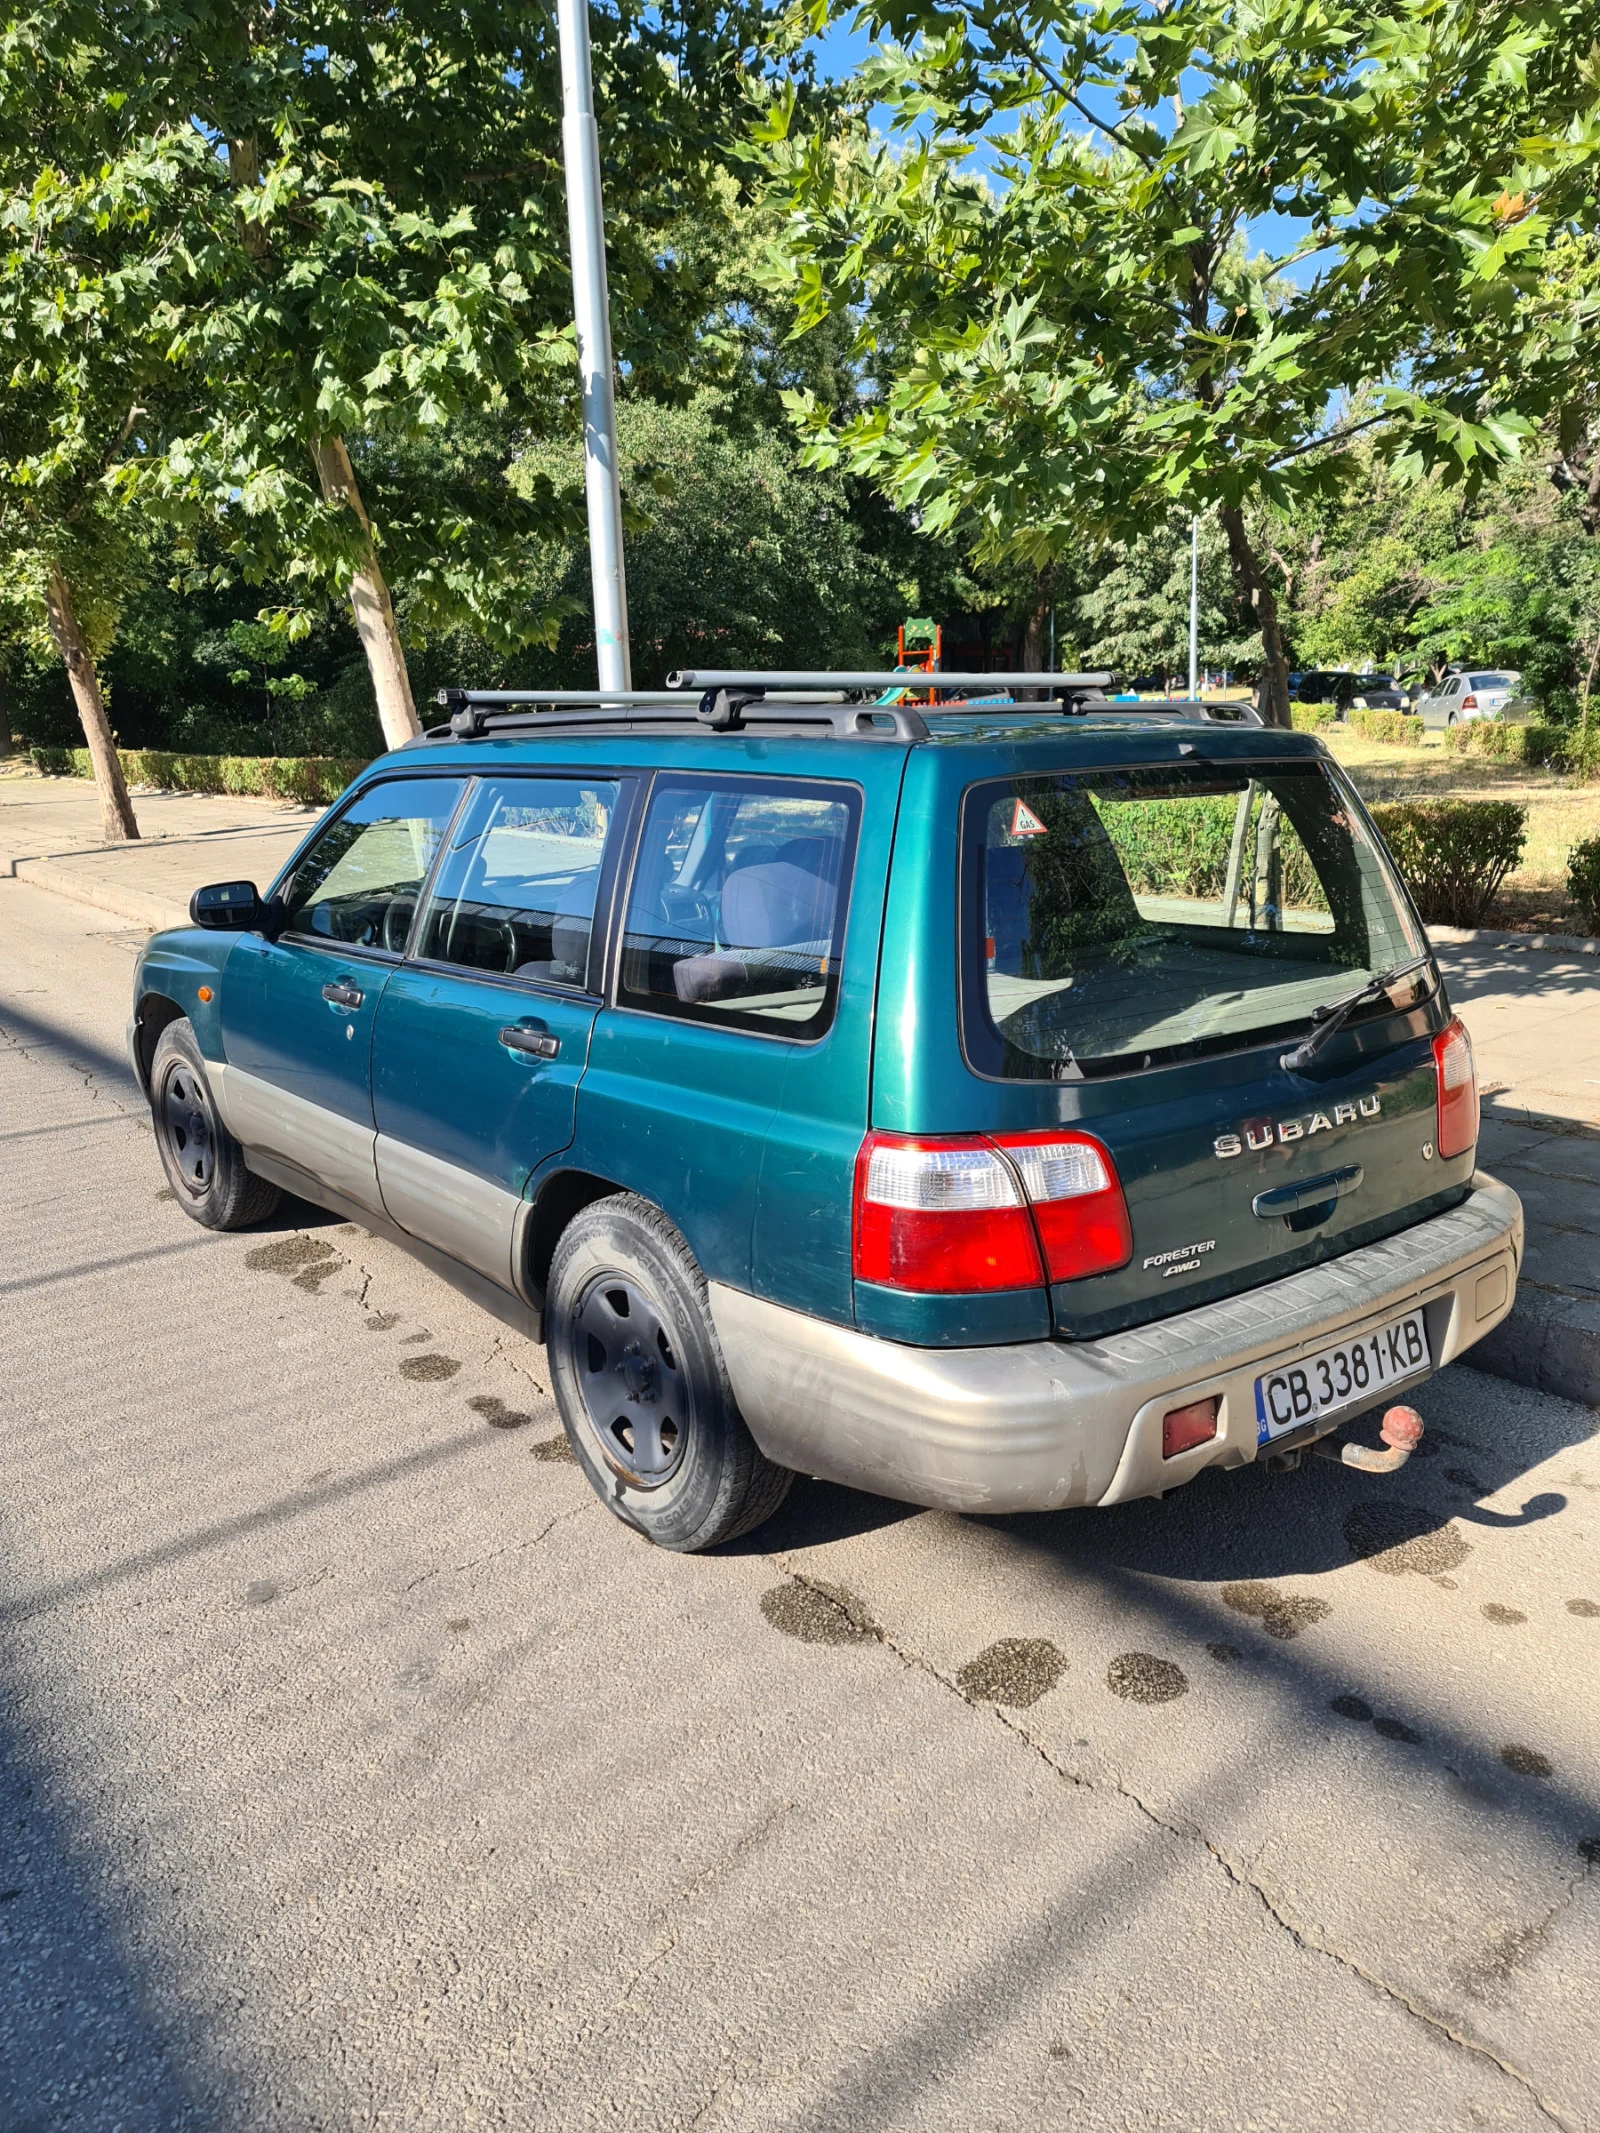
column 561, row 1196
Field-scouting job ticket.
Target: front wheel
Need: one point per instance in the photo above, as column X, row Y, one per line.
column 641, row 1386
column 204, row 1163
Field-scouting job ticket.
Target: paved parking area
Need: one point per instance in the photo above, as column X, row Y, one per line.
column 357, row 1770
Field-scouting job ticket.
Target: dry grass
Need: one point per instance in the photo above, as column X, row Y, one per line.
column 1560, row 815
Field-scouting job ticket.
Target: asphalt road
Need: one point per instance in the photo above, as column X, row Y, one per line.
column 357, row 1770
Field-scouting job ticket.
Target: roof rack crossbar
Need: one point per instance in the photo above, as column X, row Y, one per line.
column 688, row 679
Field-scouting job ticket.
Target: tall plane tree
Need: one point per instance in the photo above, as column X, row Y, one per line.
column 1049, row 262
column 85, row 381
column 362, row 243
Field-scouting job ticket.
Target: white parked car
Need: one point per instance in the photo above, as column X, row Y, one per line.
column 1473, row 695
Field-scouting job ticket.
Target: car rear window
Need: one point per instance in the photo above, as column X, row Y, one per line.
column 1488, row 681
column 1117, row 919
column 737, row 904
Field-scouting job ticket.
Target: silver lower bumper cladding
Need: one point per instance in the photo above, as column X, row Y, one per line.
column 1045, row 1425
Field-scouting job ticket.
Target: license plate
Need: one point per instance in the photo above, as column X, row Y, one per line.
column 1340, row 1380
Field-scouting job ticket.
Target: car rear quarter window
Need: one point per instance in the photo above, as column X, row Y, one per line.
column 1112, row 920
column 736, row 909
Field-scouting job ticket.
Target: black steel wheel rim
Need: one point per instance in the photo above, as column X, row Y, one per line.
column 186, row 1128
column 635, row 1393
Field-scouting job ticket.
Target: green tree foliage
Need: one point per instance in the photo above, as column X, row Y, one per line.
column 83, row 380
column 355, row 246
column 1048, row 272
column 1131, row 609
column 1413, row 575
column 736, row 554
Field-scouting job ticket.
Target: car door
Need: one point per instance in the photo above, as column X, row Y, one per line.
column 297, row 1011
column 483, row 1034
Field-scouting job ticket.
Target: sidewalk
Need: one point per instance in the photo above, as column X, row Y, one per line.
column 1533, row 1011
column 50, row 835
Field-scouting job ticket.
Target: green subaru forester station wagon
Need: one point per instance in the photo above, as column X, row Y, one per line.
column 1008, row 1100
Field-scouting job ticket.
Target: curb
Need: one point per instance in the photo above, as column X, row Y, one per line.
column 1538, row 1121
column 138, row 906
column 1487, row 937
column 1550, row 1342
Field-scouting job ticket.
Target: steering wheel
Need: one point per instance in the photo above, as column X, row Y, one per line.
column 397, row 917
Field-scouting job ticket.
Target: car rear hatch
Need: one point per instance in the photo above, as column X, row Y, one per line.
column 1209, row 971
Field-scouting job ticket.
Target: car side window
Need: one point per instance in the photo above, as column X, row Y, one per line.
column 515, row 893
column 360, row 880
column 737, row 907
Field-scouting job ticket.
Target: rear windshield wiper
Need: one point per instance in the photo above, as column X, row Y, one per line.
column 1326, row 1020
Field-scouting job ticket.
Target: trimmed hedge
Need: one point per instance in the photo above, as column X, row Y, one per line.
column 1310, row 718
column 1180, row 848
column 1398, row 728
column 1568, row 748
column 1583, row 880
column 1453, row 854
column 313, row 780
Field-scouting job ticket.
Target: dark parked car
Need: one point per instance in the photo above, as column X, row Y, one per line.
column 1351, row 691
column 1004, row 1107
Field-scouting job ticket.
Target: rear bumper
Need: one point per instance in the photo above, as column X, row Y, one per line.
column 1048, row 1424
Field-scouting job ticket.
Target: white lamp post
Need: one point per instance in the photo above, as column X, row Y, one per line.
column 591, row 310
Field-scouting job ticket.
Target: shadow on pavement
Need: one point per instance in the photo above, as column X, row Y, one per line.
column 85, row 2041
column 1249, row 1523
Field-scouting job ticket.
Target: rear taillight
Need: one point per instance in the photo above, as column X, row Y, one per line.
column 951, row 1215
column 1458, row 1091
column 943, row 1216
column 1469, row 703
column 1077, row 1202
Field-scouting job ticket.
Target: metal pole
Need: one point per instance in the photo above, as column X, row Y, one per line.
column 1194, row 606
column 591, row 310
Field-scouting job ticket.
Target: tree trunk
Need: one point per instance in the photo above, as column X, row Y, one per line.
column 1273, row 696
column 244, row 170
column 369, row 599
column 117, row 824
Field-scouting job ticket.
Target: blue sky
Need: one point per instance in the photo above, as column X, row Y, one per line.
column 842, row 46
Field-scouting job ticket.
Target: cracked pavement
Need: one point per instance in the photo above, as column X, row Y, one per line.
column 357, row 1770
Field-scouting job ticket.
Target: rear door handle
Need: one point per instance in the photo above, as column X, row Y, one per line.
column 1313, row 1192
column 341, row 995
column 528, row 1037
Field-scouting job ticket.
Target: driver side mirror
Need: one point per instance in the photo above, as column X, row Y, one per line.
column 230, row 907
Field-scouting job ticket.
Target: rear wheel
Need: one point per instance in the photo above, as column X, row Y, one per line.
column 204, row 1163
column 641, row 1386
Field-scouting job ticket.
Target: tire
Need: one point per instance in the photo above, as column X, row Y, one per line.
column 641, row 1386
column 204, row 1163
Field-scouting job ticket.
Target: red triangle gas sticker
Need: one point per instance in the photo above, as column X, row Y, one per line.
column 1025, row 823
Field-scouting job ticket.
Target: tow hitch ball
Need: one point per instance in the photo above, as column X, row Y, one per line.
column 1401, row 1431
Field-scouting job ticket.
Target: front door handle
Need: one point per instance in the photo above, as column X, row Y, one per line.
column 530, row 1038
column 339, row 994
